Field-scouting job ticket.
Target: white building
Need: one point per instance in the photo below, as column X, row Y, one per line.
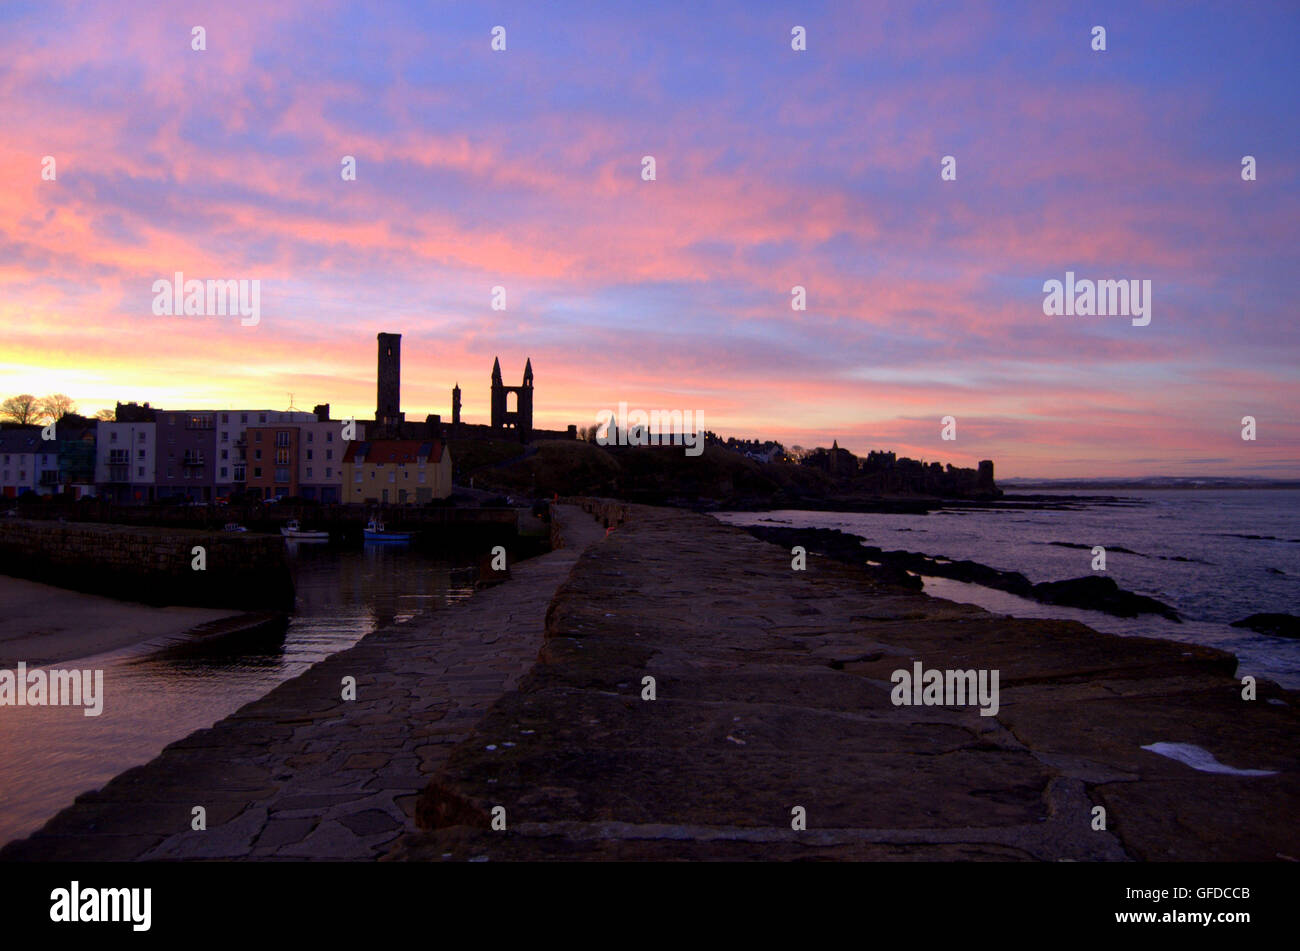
column 19, row 461
column 125, row 461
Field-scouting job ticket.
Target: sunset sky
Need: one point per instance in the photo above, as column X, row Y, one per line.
column 775, row 168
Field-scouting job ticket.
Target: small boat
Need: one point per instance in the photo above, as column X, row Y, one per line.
column 234, row 527
column 294, row 531
column 375, row 532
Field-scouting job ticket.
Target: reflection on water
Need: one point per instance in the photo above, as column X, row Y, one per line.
column 48, row 755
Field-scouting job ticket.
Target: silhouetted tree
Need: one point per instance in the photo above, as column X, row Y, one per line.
column 56, row 406
column 21, row 409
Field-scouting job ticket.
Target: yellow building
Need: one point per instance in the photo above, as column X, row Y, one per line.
column 396, row 471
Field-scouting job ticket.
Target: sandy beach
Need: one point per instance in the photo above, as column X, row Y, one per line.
column 49, row 625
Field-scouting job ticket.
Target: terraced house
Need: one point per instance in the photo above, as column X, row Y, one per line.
column 125, row 460
column 396, row 471
column 27, row 463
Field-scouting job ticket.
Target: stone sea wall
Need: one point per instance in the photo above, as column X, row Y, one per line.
column 150, row 565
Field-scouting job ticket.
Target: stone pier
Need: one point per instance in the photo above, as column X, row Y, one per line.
column 667, row 687
column 772, row 704
column 305, row 774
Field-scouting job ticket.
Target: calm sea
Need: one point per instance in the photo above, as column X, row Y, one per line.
column 1242, row 551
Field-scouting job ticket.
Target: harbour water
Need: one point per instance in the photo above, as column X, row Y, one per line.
column 50, row 754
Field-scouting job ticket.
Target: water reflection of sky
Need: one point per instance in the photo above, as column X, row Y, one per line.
column 49, row 755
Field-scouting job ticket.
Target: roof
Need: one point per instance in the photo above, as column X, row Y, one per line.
column 381, row 451
column 23, row 440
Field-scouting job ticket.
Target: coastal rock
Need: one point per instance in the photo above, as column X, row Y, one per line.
column 1279, row 625
column 1096, row 593
column 904, row 568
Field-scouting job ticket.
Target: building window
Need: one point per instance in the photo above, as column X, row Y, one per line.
column 357, row 477
column 282, row 438
column 257, row 472
column 257, row 435
column 225, row 435
column 421, row 475
column 243, row 417
column 309, row 472
column 261, row 417
column 309, row 436
column 139, row 437
column 329, row 453
column 281, row 476
column 112, row 436
column 309, row 452
column 282, row 457
column 139, row 454
column 225, row 417
column 329, row 437
column 225, row 454
column 139, row 470
column 392, row 476
column 329, row 473
column 257, row 454
column 223, row 472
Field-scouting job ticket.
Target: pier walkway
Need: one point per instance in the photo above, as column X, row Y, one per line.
column 676, row 690
column 304, row 774
column 773, row 733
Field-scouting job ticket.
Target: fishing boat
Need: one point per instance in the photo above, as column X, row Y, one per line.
column 294, row 531
column 375, row 532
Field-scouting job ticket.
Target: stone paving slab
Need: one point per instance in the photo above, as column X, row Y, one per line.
column 303, row 774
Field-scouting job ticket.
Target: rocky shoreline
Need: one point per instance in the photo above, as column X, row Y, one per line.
column 903, row 568
column 901, row 504
column 772, row 734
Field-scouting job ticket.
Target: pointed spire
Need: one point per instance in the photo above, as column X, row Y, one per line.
column 528, row 372
column 496, row 370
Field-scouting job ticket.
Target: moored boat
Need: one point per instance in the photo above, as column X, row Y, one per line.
column 375, row 532
column 293, row 530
